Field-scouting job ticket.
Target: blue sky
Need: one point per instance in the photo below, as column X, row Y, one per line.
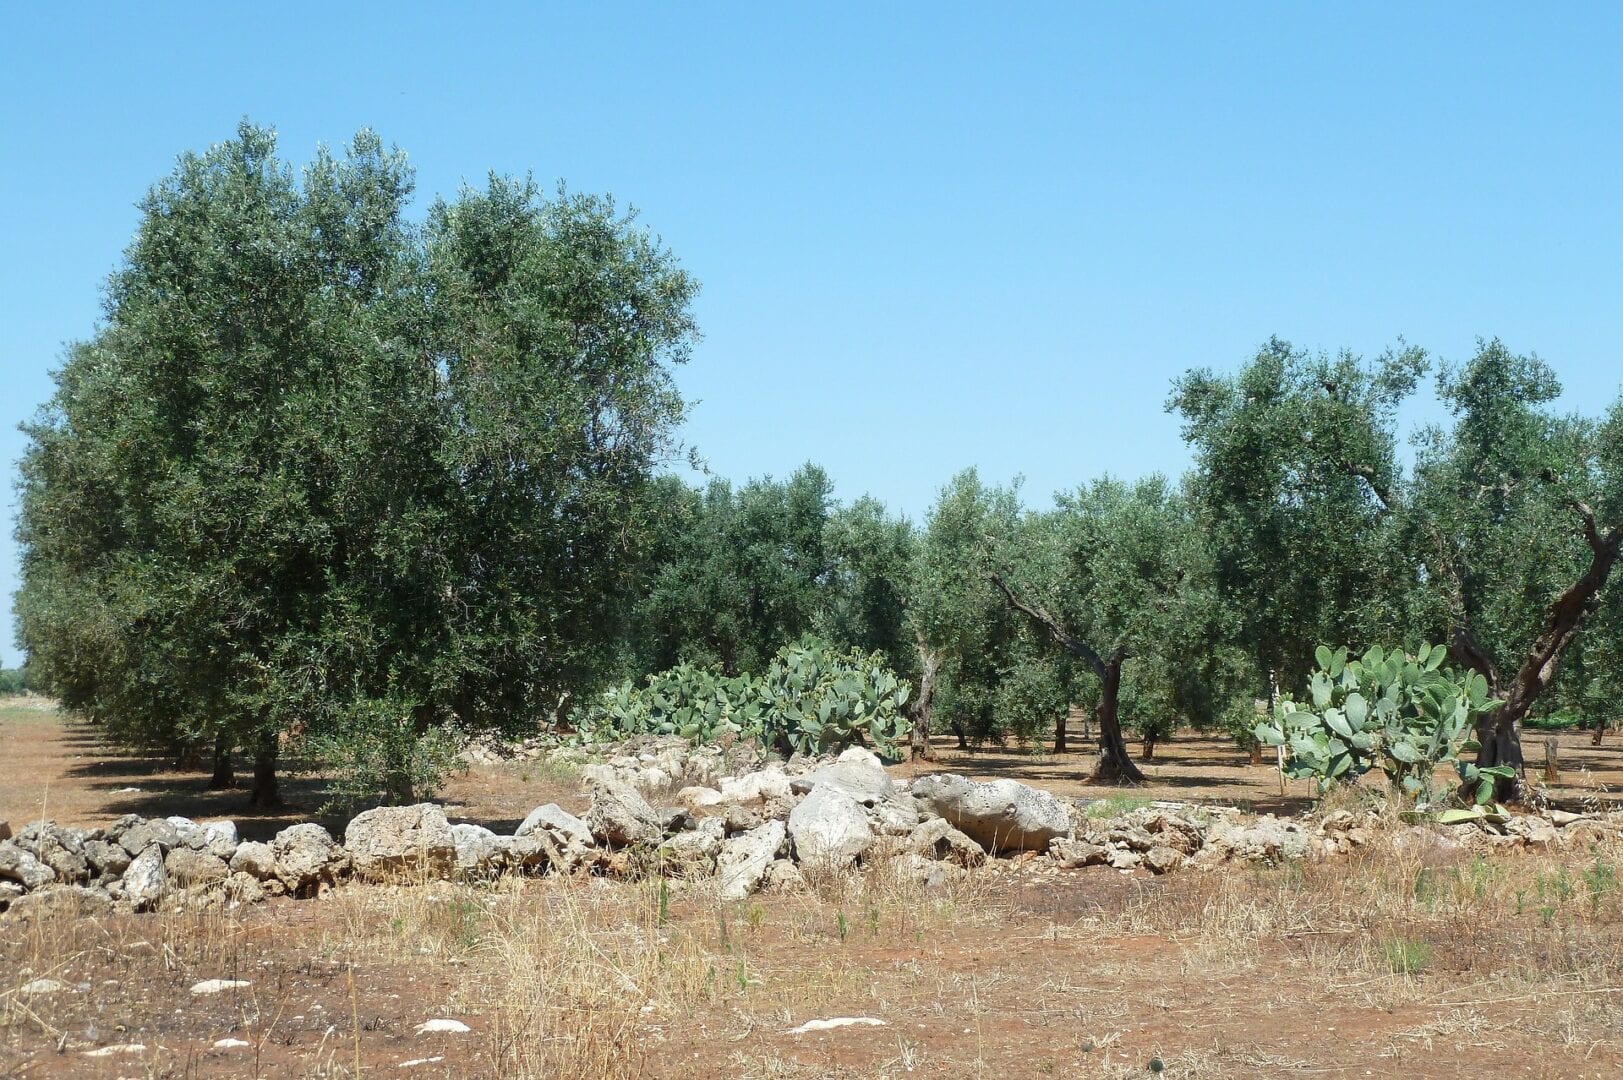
column 929, row 237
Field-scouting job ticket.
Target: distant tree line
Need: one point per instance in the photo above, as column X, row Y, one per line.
column 326, row 476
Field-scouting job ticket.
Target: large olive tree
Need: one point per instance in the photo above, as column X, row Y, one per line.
column 319, row 471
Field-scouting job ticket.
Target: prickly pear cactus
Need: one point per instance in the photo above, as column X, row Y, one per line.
column 1405, row 714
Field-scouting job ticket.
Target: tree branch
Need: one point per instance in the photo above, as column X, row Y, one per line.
column 1055, row 628
column 1368, row 474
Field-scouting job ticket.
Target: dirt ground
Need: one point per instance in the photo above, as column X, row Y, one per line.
column 53, row 767
column 1405, row 961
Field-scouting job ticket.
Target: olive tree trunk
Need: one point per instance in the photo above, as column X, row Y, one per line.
column 1115, row 763
column 919, row 710
column 1499, row 730
column 266, row 791
column 224, row 776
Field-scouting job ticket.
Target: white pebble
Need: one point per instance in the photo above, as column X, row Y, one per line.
column 443, row 1027
column 835, row 1022
column 117, row 1048
column 41, row 986
column 215, row 986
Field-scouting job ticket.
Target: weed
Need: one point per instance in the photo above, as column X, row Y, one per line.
column 1406, row 957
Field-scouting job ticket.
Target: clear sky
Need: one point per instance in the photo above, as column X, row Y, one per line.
column 930, row 237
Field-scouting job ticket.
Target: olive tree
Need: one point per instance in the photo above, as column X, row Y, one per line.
column 322, row 472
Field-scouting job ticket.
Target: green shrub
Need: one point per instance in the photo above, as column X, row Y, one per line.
column 1404, row 714
column 376, row 750
column 15, row 680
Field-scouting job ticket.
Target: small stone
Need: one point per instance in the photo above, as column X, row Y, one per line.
column 40, row 987
column 1124, row 858
column 835, row 1022
column 443, row 1027
column 782, row 875
column 619, row 816
column 21, row 866
column 142, row 834
column 117, row 1048
column 564, row 828
column 218, row 986
column 1073, row 854
column 187, row 867
column 231, row 1044
column 244, row 889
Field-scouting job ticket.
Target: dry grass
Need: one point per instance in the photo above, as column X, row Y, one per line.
column 1408, row 956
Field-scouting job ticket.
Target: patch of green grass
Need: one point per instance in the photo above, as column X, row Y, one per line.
column 1407, row 957
column 1115, row 805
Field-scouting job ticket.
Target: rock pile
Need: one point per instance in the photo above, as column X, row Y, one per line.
column 771, row 827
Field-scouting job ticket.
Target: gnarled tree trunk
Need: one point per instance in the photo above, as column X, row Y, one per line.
column 1499, row 730
column 224, row 776
column 265, row 793
column 1115, row 763
column 919, row 710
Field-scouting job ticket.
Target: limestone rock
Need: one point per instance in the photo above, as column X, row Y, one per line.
column 478, row 850
column 858, row 774
column 1267, row 839
column 565, row 829
column 139, row 834
column 1162, row 859
column 924, row 872
column 73, row 901
column 307, row 857
column 694, row 799
column 187, row 867
column 1074, row 854
column 244, row 888
column 60, row 849
column 254, row 859
column 620, row 816
column 22, row 867
column 107, row 860
column 1122, row 858
column 829, row 828
column 1000, row 815
column 770, row 783
column 782, row 875
column 537, row 851
column 743, row 859
column 220, row 838
column 935, row 838
column 145, row 879
column 695, row 851
column 394, row 842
